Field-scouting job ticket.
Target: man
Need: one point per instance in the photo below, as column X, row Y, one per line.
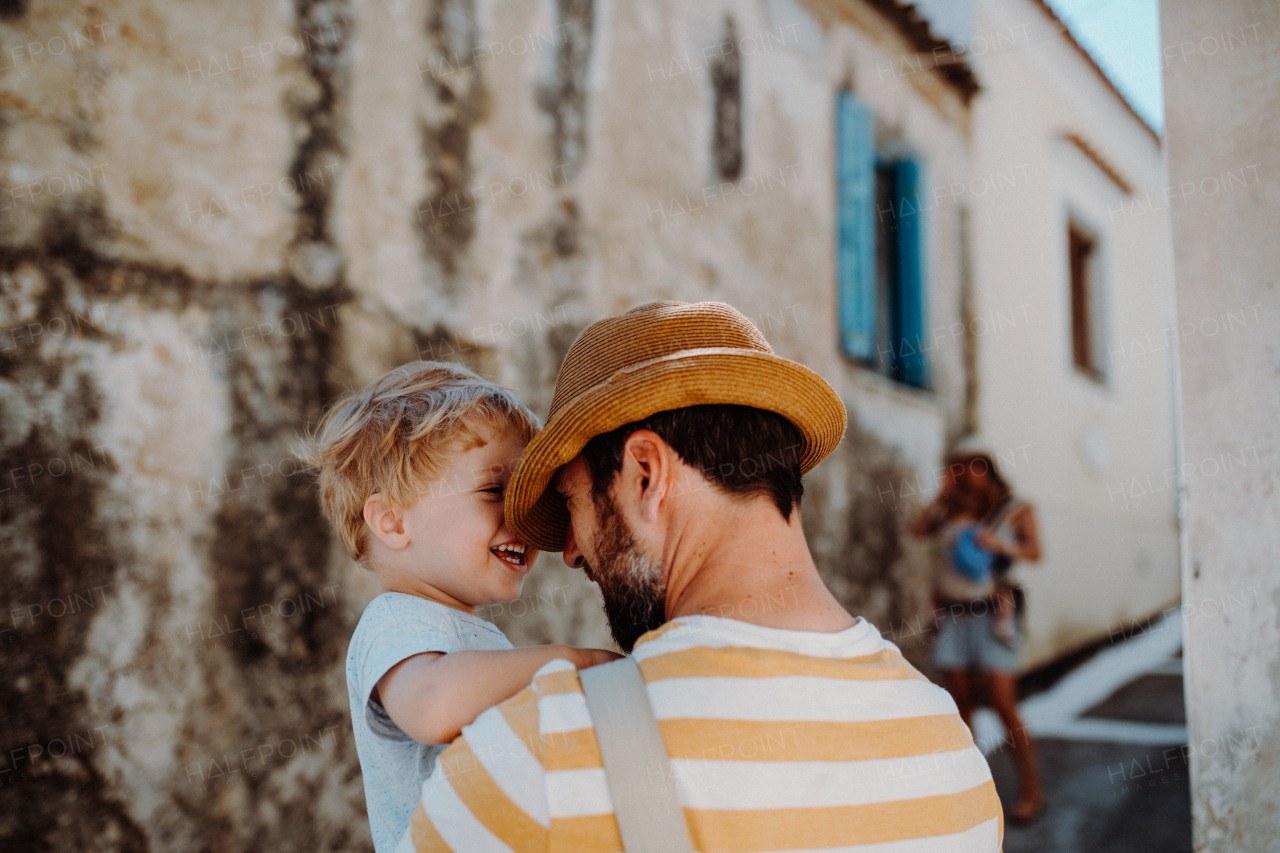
column 669, row 471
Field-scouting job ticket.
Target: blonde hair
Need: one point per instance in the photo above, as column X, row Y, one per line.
column 396, row 435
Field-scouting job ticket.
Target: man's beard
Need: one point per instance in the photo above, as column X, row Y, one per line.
column 633, row 586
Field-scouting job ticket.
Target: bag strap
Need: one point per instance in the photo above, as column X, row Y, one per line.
column 636, row 765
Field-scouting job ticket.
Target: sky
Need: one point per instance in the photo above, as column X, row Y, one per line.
column 1123, row 37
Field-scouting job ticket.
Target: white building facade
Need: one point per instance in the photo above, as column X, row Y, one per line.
column 1073, row 299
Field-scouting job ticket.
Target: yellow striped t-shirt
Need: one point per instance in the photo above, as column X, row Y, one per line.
column 779, row 741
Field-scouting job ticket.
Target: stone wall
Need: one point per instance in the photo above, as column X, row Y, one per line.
column 218, row 217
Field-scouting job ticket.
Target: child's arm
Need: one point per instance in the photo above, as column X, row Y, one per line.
column 431, row 696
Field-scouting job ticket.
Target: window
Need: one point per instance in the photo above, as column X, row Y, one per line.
column 1086, row 337
column 878, row 265
column 726, row 81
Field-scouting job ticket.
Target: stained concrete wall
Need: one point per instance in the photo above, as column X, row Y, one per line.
column 1222, row 100
column 219, row 217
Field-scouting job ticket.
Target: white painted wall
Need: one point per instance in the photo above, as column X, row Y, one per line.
column 1093, row 457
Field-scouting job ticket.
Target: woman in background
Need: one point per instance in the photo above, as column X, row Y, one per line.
column 982, row 529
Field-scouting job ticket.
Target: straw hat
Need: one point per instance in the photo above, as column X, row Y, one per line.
column 661, row 356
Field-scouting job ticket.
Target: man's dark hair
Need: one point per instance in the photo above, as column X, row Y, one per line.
column 739, row 449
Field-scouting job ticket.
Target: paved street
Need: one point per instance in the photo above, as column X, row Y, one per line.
column 1111, row 737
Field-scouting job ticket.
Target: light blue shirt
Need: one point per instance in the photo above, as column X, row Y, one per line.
column 393, row 627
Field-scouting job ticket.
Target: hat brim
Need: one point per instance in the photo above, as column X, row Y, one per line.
column 714, row 375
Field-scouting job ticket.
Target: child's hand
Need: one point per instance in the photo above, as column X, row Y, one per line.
column 584, row 658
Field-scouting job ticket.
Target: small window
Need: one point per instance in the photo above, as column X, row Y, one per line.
column 726, row 81
column 880, row 283
column 1086, row 337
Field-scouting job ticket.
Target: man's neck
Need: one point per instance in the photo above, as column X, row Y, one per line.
column 745, row 562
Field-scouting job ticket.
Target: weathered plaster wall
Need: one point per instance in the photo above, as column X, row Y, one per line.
column 1222, row 99
column 218, row 217
column 593, row 184
column 175, row 625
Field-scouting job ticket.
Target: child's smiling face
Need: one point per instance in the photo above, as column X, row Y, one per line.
column 453, row 545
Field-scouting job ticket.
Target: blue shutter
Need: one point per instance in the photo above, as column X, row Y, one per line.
column 910, row 281
column 856, row 253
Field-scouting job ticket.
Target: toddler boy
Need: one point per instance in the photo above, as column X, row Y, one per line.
column 412, row 473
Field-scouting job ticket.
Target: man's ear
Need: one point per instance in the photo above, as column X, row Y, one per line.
column 648, row 464
column 386, row 523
